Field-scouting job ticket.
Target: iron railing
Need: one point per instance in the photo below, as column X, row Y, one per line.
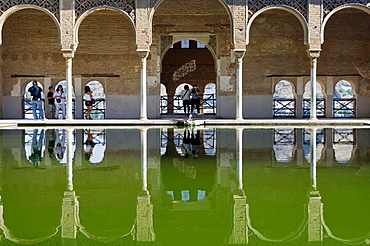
column 284, row 108
column 344, row 108
column 98, row 108
column 172, row 104
column 320, row 107
column 28, row 113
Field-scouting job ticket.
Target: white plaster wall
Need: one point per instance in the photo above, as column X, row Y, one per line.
column 12, row 107
column 226, row 107
column 257, row 107
column 363, row 106
column 123, row 107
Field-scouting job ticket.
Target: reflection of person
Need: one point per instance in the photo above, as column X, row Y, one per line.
column 59, row 146
column 185, row 95
column 51, row 142
column 51, row 109
column 186, row 143
column 195, row 143
column 37, row 144
column 60, row 101
column 89, row 145
column 195, row 99
column 88, row 98
column 37, row 104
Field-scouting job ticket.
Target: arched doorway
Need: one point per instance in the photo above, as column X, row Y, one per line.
column 99, row 105
column 27, row 105
column 284, row 100
column 187, row 62
column 63, row 83
column 344, row 102
column 320, row 100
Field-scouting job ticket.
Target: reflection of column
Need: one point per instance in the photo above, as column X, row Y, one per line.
column 239, row 54
column 239, row 233
column 69, row 56
column 144, row 209
column 70, row 202
column 143, row 95
column 315, row 206
column 313, row 156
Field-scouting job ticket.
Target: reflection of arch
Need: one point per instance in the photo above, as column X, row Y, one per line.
column 344, row 101
column 284, row 99
column 93, row 10
column 320, row 144
column 344, row 144
column 284, row 144
column 26, row 100
column 346, row 6
column 97, row 145
column 16, row 8
column 320, row 100
column 291, row 10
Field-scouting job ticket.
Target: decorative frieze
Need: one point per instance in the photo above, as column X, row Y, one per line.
column 126, row 5
column 299, row 5
column 51, row 5
column 329, row 5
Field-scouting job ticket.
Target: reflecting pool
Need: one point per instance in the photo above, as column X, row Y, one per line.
column 185, row 186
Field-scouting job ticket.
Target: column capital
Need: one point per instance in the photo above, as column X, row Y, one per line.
column 143, row 53
column 314, row 53
column 239, row 53
column 68, row 53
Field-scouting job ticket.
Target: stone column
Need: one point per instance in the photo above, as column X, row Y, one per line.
column 299, row 102
column 239, row 54
column 68, row 55
column 143, row 94
column 313, row 87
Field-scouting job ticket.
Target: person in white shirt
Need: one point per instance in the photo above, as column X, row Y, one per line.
column 185, row 96
column 88, row 98
column 60, row 102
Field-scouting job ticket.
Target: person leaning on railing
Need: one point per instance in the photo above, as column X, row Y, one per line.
column 89, row 100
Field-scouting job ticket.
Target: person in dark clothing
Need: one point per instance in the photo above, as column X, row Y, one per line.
column 37, row 104
column 50, row 97
column 195, row 99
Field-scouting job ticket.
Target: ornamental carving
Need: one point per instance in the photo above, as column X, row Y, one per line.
column 329, row 5
column 126, row 5
column 51, row 5
column 299, row 5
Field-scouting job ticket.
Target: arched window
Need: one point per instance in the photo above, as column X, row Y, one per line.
column 163, row 102
column 344, row 102
column 320, row 100
column 283, row 100
column 27, row 106
column 284, row 144
column 177, row 102
column 99, row 105
column 63, row 83
column 209, row 99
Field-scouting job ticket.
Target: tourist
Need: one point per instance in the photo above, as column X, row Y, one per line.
column 36, row 150
column 185, row 96
column 51, row 109
column 88, row 98
column 186, row 143
column 37, row 104
column 195, row 99
column 60, row 102
column 195, row 142
column 89, row 145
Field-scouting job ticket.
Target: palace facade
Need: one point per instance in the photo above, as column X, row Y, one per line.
column 258, row 57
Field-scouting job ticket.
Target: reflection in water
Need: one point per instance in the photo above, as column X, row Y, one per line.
column 185, row 187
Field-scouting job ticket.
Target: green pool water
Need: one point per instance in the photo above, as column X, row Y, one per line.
column 185, row 186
